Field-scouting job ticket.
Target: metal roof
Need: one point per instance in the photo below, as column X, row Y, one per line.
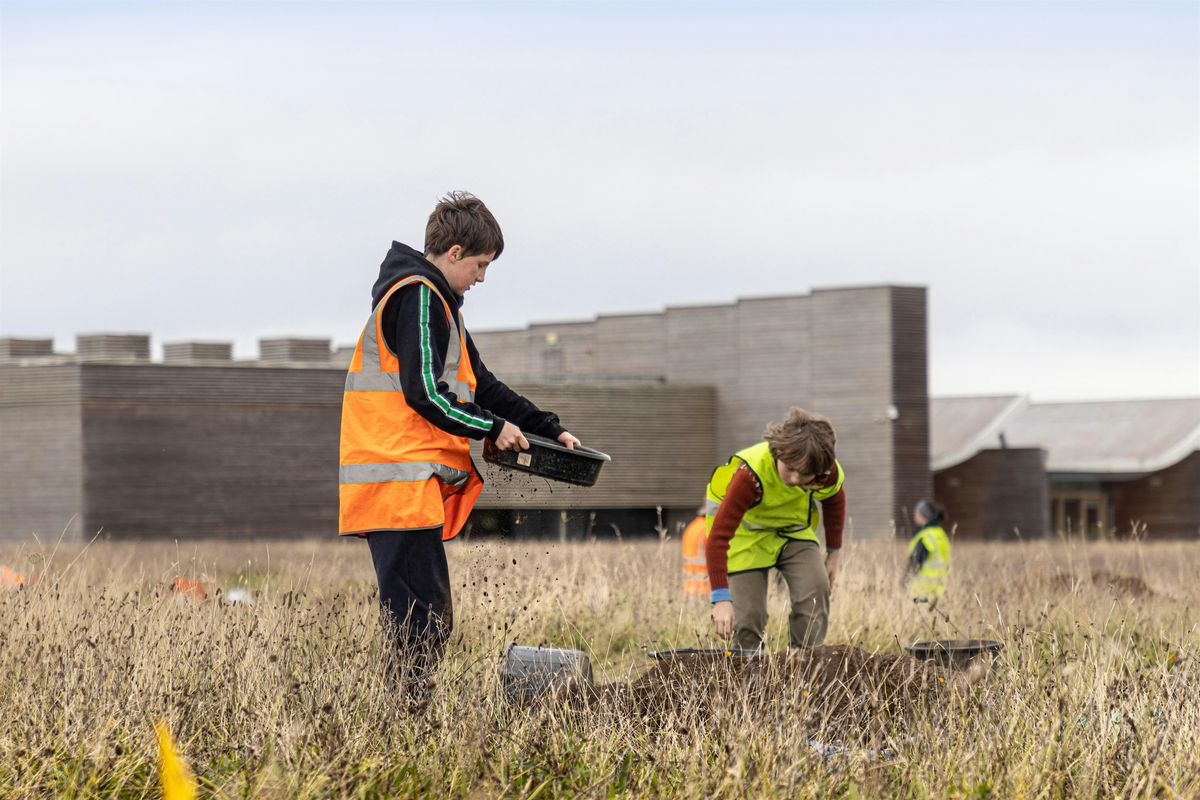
column 959, row 427
column 1108, row 437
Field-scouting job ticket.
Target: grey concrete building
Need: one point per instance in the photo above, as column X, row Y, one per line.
column 200, row 445
column 857, row 355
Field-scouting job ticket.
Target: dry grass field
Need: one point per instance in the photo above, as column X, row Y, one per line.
column 1096, row 694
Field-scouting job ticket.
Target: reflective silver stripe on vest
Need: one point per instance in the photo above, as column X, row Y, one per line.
column 372, row 382
column 373, row 379
column 711, row 506
column 785, row 529
column 407, row 472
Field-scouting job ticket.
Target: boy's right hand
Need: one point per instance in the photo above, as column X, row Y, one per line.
column 722, row 617
column 511, row 438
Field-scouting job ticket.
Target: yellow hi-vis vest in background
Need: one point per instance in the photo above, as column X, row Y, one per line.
column 397, row 469
column 930, row 582
column 784, row 513
column 695, row 566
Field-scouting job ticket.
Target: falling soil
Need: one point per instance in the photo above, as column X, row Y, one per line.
column 1120, row 584
column 840, row 692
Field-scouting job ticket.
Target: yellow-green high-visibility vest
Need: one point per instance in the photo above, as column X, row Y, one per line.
column 930, row 582
column 784, row 513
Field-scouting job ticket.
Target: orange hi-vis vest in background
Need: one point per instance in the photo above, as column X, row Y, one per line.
column 398, row 470
column 695, row 567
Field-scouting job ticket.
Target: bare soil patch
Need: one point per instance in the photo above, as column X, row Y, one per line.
column 844, row 693
column 1128, row 585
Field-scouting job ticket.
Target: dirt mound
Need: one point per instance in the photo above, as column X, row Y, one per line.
column 840, row 691
column 1125, row 584
column 1120, row 584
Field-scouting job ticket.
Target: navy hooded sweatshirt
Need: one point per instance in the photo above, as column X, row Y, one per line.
column 403, row 331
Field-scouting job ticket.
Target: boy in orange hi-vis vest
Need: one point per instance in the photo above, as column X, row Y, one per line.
column 416, row 393
column 695, row 569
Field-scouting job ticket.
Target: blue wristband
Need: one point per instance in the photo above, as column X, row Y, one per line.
column 721, row 595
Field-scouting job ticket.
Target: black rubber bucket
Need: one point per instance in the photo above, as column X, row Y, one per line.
column 550, row 459
column 957, row 653
column 529, row 672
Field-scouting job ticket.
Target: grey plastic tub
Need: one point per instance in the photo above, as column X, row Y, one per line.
column 527, row 673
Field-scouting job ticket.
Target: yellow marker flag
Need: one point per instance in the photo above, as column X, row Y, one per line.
column 173, row 771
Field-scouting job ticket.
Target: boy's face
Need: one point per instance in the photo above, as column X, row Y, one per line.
column 799, row 477
column 463, row 272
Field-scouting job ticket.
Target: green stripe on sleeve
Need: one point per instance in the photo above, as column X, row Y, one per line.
column 430, row 380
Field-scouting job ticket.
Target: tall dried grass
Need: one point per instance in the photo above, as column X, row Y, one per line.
column 1096, row 693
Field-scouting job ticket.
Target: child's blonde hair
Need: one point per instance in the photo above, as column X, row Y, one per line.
column 804, row 441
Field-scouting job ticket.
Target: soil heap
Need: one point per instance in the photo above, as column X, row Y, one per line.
column 1119, row 584
column 839, row 692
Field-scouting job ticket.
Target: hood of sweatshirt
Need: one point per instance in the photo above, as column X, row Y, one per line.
column 403, row 261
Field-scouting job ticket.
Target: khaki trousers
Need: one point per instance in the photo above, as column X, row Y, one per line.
column 803, row 570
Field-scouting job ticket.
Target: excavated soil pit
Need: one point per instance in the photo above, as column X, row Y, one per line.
column 1120, row 584
column 846, row 694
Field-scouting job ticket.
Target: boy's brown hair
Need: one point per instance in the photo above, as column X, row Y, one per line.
column 461, row 218
column 804, row 441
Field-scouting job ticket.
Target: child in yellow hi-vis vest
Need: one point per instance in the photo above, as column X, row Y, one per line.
column 928, row 564
column 763, row 514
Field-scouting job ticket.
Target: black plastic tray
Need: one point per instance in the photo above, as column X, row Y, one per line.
column 549, row 459
column 729, row 652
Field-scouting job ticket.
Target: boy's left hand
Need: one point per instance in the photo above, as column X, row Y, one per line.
column 570, row 441
column 831, row 564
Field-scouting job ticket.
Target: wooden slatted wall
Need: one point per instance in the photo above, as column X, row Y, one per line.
column 912, row 478
column 189, row 451
column 661, row 438
column 41, row 484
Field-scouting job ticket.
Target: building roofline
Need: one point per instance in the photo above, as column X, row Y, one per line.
column 1124, row 466
column 1133, row 466
column 986, row 435
column 685, row 306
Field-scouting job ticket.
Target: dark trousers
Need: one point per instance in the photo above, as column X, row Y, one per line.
column 414, row 595
column 803, row 569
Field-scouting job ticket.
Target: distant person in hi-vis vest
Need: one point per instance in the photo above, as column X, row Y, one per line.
column 928, row 564
column 695, row 570
column 416, row 393
column 763, row 513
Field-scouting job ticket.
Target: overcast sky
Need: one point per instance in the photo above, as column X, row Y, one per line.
column 227, row 171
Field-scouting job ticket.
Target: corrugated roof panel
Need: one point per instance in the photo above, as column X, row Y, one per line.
column 1106, row 437
column 1112, row 436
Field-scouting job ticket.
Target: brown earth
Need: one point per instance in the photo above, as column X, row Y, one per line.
column 1121, row 584
column 843, row 693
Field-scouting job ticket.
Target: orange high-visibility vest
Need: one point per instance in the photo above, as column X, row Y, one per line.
column 398, row 470
column 695, row 567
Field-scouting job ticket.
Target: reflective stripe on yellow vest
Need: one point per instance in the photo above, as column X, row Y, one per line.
column 695, row 567
column 930, row 582
column 784, row 513
column 398, row 470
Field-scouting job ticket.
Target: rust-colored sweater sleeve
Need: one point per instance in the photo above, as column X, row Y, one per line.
column 835, row 519
column 744, row 492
